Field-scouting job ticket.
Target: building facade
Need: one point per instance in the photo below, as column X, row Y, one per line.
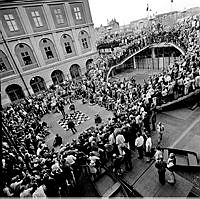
column 43, row 43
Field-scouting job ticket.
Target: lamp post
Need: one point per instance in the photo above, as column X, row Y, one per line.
column 5, row 42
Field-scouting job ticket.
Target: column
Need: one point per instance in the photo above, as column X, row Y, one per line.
column 153, row 54
column 134, row 63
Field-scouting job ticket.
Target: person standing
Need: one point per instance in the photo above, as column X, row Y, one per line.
column 153, row 120
column 127, row 158
column 61, row 107
column 72, row 107
column 57, row 141
column 97, row 119
column 160, row 130
column 120, row 141
column 139, row 142
column 148, row 148
column 161, row 166
column 71, row 125
column 158, row 153
column 171, row 162
column 116, row 164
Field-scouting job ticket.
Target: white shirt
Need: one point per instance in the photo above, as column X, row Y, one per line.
column 38, row 151
column 120, row 139
column 55, row 166
column 94, row 158
column 91, row 138
column 39, row 193
column 139, row 141
column 137, row 118
column 148, row 144
column 111, row 139
column 70, row 159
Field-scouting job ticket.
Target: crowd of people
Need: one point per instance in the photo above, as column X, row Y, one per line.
column 31, row 169
column 125, row 44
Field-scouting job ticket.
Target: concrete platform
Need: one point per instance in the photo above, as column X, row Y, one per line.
column 148, row 185
column 139, row 167
column 183, row 113
column 194, row 145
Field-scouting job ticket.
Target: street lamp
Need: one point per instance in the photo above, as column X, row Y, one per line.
column 5, row 42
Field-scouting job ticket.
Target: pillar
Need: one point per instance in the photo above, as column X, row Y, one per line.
column 153, row 54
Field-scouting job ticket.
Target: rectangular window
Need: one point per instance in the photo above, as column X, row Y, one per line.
column 37, row 19
column 59, row 16
column 2, row 66
column 68, row 47
column 84, row 43
column 48, row 52
column 12, row 25
column 26, row 58
column 77, row 13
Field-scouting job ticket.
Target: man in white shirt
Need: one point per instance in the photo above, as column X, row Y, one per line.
column 139, row 141
column 120, row 141
column 148, row 148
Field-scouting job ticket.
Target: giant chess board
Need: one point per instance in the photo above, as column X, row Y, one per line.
column 78, row 118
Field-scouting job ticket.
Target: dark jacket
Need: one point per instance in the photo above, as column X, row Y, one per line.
column 57, row 141
column 161, row 166
column 71, row 124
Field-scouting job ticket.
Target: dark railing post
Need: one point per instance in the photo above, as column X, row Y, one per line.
column 163, row 57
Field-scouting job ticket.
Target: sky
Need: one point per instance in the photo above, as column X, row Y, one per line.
column 126, row 11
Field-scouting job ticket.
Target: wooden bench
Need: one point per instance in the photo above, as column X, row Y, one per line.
column 112, row 190
column 192, row 160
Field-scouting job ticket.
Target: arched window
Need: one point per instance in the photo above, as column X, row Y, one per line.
column 48, row 51
column 57, row 76
column 25, row 56
column 5, row 67
column 37, row 83
column 68, row 45
column 88, row 63
column 15, row 92
column 75, row 71
column 84, row 40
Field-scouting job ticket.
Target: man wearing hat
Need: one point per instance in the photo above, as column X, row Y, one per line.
column 161, row 166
